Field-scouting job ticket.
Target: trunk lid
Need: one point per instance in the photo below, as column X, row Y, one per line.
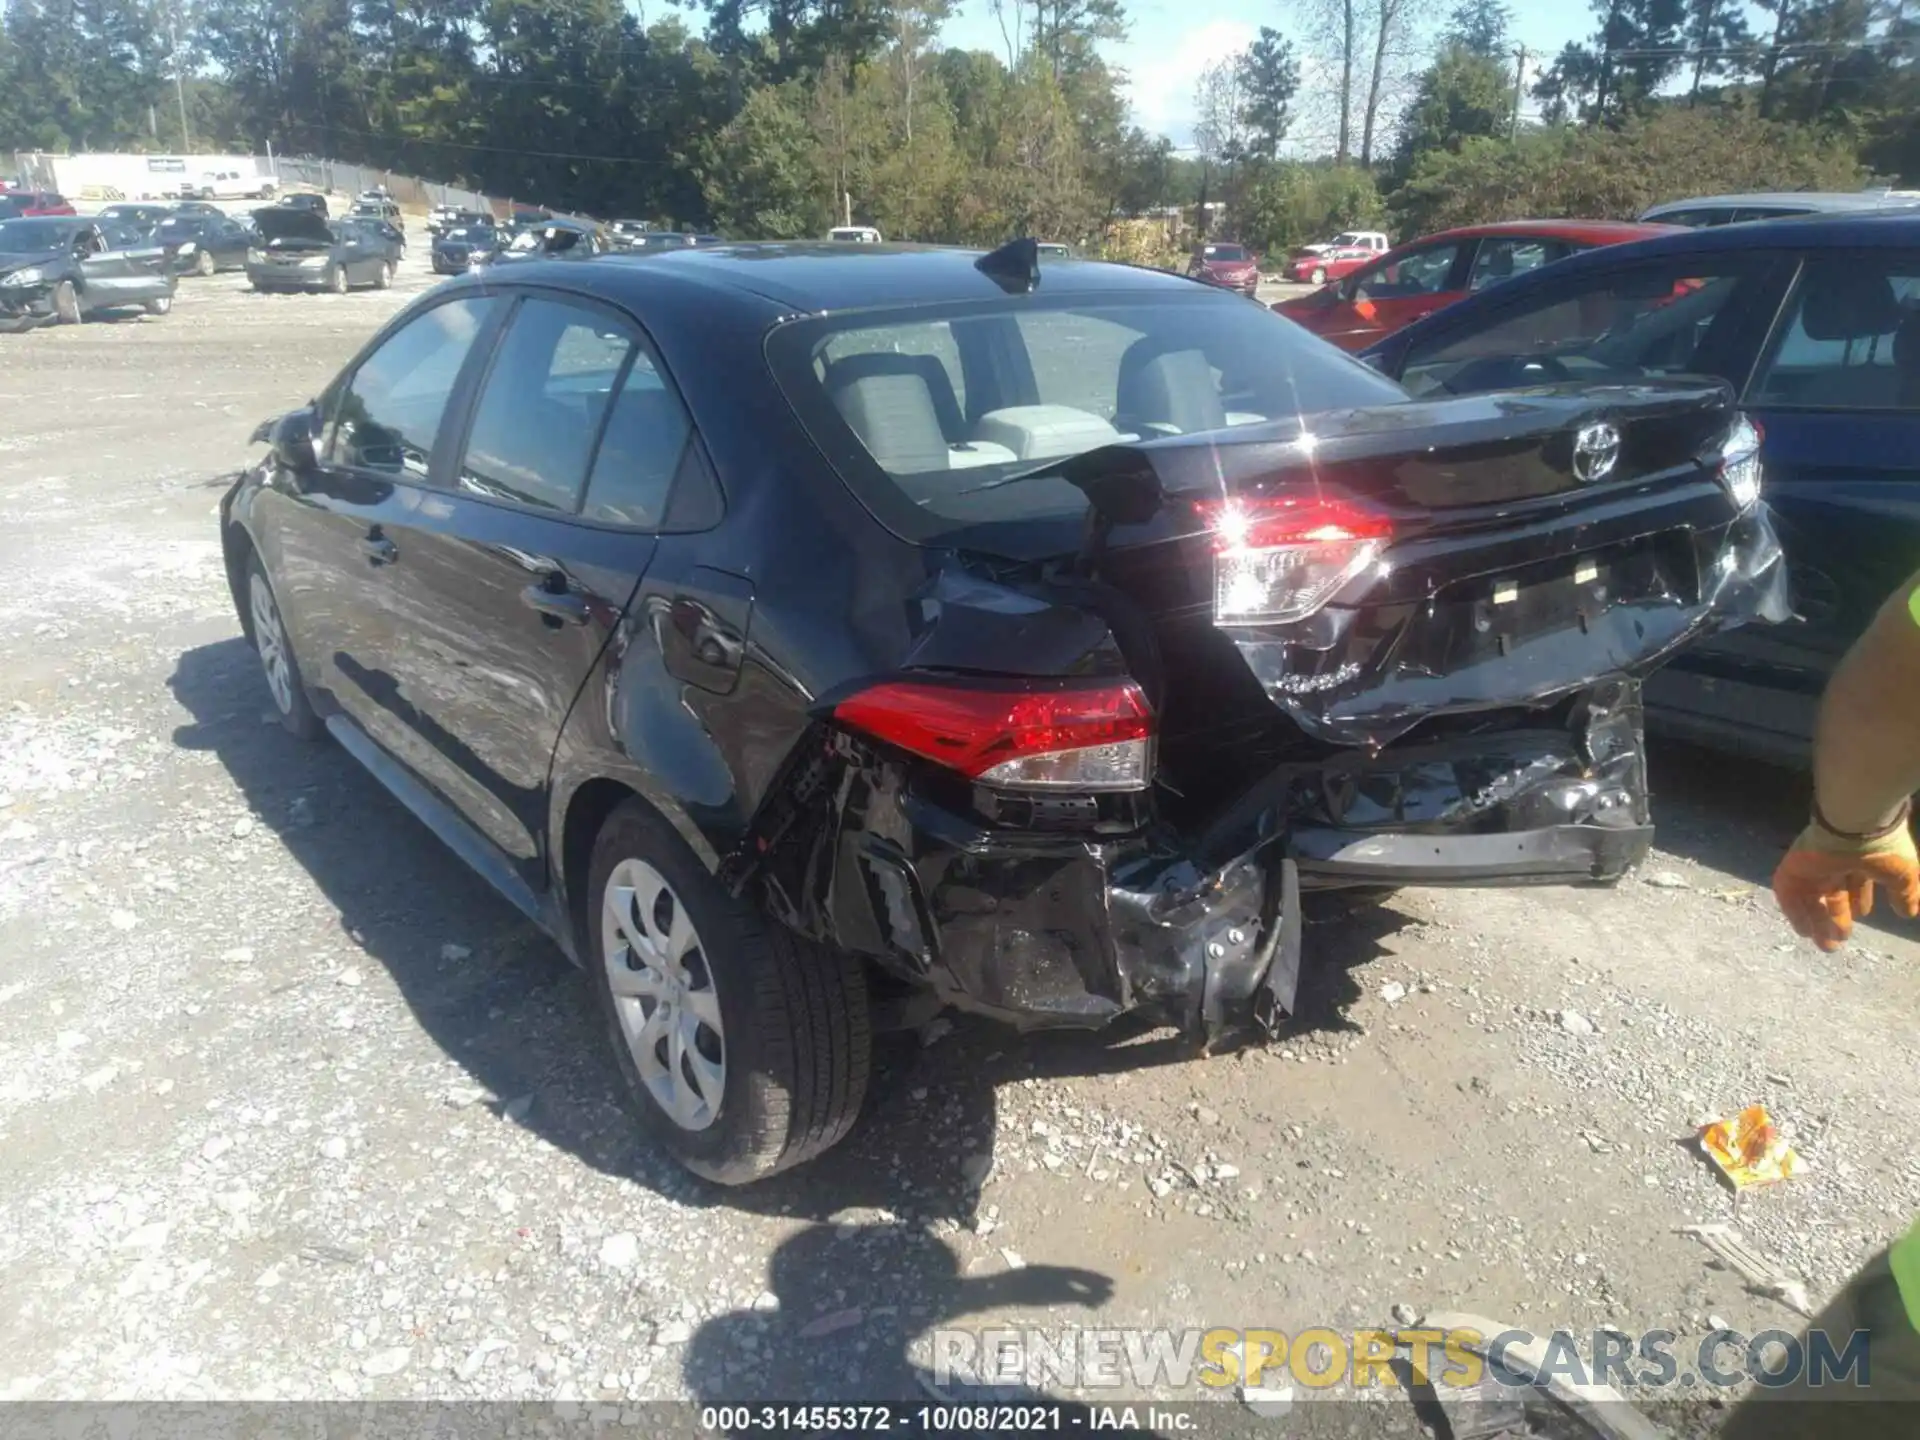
column 1502, row 552
column 290, row 227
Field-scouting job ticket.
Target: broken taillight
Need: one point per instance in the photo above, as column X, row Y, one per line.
column 1065, row 737
column 1740, row 461
column 1278, row 559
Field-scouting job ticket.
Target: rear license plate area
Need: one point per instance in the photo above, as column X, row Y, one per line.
column 1498, row 614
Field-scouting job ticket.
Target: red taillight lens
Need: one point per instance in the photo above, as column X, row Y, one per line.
column 1278, row 559
column 1083, row 737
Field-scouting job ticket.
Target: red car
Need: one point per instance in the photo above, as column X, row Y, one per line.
column 1431, row 273
column 1231, row 267
column 15, row 204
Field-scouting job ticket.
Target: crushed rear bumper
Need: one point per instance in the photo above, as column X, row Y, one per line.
column 1202, row 930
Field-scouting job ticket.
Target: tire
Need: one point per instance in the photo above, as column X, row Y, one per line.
column 1319, row 276
column 277, row 661
column 794, row 1043
column 159, row 305
column 384, row 280
column 203, row 263
column 66, row 303
column 337, row 280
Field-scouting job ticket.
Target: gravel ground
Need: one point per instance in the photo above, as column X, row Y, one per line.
column 293, row 1106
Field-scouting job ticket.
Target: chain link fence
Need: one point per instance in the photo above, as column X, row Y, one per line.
column 127, row 177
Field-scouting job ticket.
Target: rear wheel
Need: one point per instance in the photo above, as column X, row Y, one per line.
column 337, row 280
column 203, row 263
column 159, row 305
column 66, row 303
column 289, row 691
column 746, row 1049
column 1319, row 276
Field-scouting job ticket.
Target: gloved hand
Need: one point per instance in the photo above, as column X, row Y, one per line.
column 1826, row 881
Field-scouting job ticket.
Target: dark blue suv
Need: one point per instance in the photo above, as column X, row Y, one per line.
column 1816, row 324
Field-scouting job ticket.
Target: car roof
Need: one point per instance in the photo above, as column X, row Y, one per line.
column 1809, row 200
column 1604, row 231
column 1859, row 230
column 810, row 276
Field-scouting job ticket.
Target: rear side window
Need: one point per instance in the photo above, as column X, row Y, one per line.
column 543, row 403
column 1424, row 272
column 1649, row 320
column 1851, row 340
column 640, row 449
column 387, row 417
column 1504, row 258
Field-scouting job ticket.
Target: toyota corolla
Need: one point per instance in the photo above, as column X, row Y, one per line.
column 810, row 636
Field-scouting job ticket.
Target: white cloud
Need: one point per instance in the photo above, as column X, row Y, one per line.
column 1161, row 81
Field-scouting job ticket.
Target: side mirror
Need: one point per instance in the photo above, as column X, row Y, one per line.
column 291, row 440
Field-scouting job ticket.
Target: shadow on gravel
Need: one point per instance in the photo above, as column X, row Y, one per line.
column 499, row 999
column 1723, row 811
column 852, row 1302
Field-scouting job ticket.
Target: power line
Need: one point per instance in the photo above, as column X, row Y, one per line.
column 500, row 149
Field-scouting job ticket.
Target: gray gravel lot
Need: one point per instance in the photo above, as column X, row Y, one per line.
column 292, row 1106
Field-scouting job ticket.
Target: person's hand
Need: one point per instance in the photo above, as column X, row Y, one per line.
column 1826, row 881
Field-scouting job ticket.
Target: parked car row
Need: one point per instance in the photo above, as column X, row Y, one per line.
column 1203, row 613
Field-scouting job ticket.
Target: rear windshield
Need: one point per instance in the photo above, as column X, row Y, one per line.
column 923, row 409
column 1226, row 252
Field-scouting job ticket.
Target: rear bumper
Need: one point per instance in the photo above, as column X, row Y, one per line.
column 1200, row 930
column 268, row 277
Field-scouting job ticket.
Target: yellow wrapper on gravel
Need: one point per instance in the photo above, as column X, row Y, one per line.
column 1749, row 1150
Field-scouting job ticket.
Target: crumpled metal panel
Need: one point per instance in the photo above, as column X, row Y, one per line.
column 1366, row 676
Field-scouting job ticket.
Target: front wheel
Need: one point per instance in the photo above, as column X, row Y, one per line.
column 1319, row 276
column 745, row 1048
column 203, row 263
column 159, row 305
column 66, row 303
column 284, row 683
column 337, row 280
column 383, row 280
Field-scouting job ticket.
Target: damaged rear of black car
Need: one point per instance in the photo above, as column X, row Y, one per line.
column 1161, row 686
column 921, row 630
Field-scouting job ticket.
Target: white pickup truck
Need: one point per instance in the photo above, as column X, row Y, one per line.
column 1373, row 240
column 227, row 185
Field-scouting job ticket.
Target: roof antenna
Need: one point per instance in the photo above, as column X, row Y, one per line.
column 1014, row 267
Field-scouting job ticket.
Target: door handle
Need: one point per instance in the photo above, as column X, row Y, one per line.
column 557, row 606
column 378, row 549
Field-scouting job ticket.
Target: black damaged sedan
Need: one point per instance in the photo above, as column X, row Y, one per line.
column 809, row 636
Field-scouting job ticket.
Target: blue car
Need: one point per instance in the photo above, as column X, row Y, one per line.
column 1815, row 323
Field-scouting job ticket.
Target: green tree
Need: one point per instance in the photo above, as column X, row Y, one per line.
column 1269, row 79
column 1463, row 95
column 1480, row 28
column 763, row 177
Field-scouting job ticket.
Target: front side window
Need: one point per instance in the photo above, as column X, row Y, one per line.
column 1851, row 340
column 1618, row 326
column 387, row 417
column 541, row 409
column 1423, row 272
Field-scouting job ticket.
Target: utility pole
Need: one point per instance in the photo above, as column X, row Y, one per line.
column 1519, row 78
column 179, row 83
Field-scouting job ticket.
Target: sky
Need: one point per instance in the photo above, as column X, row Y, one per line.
column 1172, row 42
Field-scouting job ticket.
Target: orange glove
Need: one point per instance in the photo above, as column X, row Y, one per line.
column 1826, row 881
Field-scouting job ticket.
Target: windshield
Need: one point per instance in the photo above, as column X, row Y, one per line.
column 527, row 241
column 1226, row 252
column 659, row 242
column 179, row 225
column 471, row 234
column 924, row 410
column 23, row 237
column 1347, row 237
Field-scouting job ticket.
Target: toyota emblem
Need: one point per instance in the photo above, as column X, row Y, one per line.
column 1596, row 450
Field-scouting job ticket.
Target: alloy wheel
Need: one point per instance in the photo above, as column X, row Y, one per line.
column 271, row 641
column 663, row 994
